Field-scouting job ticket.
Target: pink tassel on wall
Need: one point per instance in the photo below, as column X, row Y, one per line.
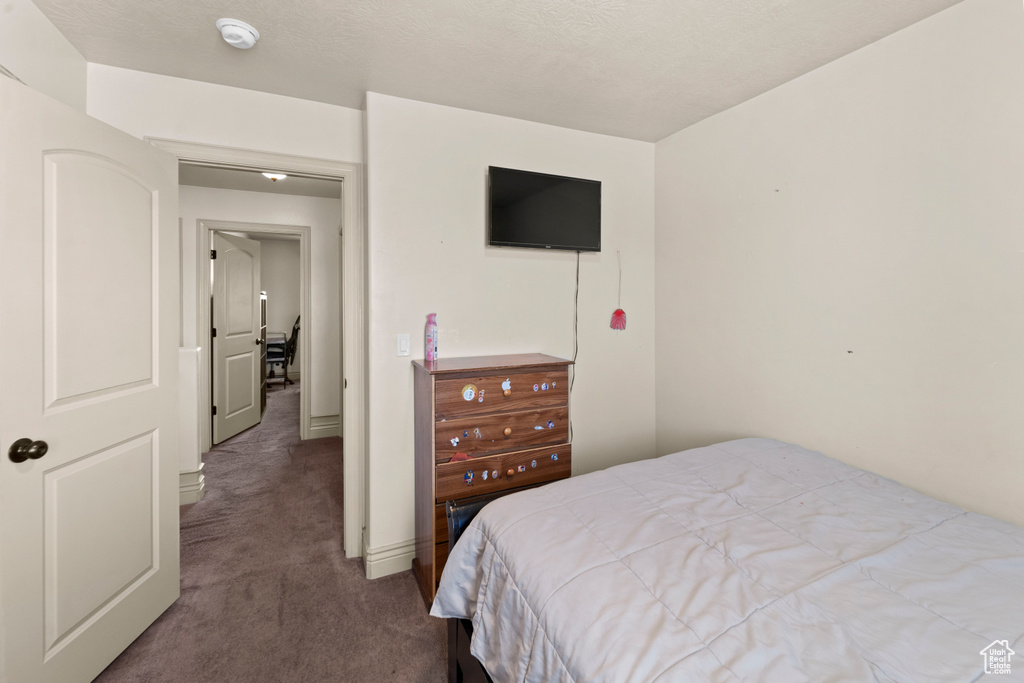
column 619, row 319
column 619, row 316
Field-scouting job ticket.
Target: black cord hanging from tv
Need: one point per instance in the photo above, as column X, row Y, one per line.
column 575, row 317
column 575, row 334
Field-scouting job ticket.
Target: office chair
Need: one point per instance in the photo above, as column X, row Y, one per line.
column 284, row 355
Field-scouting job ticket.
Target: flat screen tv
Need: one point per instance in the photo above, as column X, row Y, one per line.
column 544, row 211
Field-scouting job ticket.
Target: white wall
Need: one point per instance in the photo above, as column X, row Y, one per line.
column 427, row 175
column 839, row 263
column 153, row 105
column 279, row 278
column 324, row 329
column 38, row 54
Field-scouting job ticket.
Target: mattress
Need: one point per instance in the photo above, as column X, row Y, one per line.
column 750, row 560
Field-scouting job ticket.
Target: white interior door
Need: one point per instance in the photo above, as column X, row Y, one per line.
column 88, row 337
column 236, row 343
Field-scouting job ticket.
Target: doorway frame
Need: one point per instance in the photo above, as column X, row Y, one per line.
column 204, row 243
column 354, row 358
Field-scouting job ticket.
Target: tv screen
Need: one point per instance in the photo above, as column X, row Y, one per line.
column 544, row 211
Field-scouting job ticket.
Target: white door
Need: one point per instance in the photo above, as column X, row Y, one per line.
column 88, row 338
column 236, row 342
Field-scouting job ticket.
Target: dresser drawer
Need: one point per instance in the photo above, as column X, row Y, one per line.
column 486, row 434
column 490, row 473
column 462, row 397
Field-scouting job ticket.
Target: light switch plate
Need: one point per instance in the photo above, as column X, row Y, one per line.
column 403, row 344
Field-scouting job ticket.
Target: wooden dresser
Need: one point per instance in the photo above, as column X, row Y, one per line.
column 508, row 414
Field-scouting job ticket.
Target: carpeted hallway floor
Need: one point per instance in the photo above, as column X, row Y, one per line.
column 266, row 591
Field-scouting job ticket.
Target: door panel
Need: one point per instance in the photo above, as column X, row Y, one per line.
column 84, row 232
column 240, row 270
column 236, row 317
column 89, row 335
column 86, row 573
column 239, row 390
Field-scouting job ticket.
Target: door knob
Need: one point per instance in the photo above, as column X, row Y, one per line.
column 258, row 342
column 23, row 449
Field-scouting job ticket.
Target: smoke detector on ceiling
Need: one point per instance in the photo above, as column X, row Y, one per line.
column 238, row 33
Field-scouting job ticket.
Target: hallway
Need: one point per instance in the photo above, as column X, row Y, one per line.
column 266, row 592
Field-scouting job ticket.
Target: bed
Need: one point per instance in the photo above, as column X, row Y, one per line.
column 750, row 560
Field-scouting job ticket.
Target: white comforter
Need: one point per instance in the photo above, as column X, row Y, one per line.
column 751, row 560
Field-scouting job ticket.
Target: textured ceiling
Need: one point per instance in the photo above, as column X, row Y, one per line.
column 640, row 69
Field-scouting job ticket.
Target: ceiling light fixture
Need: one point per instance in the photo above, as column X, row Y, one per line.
column 238, row 33
column 275, row 176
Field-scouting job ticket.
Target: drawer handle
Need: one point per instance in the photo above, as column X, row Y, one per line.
column 510, row 472
column 507, row 393
column 508, row 431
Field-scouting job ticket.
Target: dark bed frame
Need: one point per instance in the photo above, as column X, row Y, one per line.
column 462, row 666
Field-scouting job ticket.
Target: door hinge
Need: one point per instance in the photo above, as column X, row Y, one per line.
column 215, row 410
column 214, row 330
column 213, row 253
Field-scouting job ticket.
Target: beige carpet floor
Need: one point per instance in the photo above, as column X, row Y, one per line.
column 266, row 591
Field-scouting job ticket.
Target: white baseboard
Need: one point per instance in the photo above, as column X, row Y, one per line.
column 324, row 425
column 388, row 559
column 191, row 486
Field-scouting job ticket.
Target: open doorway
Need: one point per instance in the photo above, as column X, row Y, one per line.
column 259, row 299
column 345, row 305
column 247, row 205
